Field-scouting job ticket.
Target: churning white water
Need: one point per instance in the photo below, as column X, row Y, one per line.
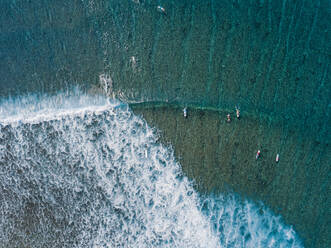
column 81, row 171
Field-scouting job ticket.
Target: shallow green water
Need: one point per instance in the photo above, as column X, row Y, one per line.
column 220, row 157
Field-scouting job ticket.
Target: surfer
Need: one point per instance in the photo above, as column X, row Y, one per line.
column 238, row 113
column 277, row 158
column 257, row 154
column 161, row 9
column 228, row 118
column 185, row 112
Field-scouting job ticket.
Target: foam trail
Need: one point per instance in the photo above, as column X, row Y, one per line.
column 94, row 175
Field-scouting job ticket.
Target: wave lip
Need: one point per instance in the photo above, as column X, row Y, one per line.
column 35, row 108
column 85, row 172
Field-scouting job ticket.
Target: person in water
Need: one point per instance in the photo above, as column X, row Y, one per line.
column 185, row 112
column 238, row 113
column 228, row 118
column 277, row 158
column 257, row 154
column 161, row 9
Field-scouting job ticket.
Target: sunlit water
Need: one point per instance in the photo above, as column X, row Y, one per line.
column 83, row 171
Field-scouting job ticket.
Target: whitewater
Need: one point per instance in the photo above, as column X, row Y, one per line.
column 84, row 171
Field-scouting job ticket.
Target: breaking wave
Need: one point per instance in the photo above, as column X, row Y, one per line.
column 83, row 171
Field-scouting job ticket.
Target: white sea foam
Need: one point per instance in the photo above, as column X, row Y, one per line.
column 85, row 172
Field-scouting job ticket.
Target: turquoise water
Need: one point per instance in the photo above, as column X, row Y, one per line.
column 270, row 58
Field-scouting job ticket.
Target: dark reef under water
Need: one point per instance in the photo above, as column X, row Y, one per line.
column 270, row 58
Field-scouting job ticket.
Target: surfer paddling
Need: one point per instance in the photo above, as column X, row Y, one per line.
column 257, row 154
column 161, row 9
column 185, row 112
column 228, row 118
column 277, row 158
column 237, row 113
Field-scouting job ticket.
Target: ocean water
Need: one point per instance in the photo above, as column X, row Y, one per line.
column 84, row 171
column 270, row 58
